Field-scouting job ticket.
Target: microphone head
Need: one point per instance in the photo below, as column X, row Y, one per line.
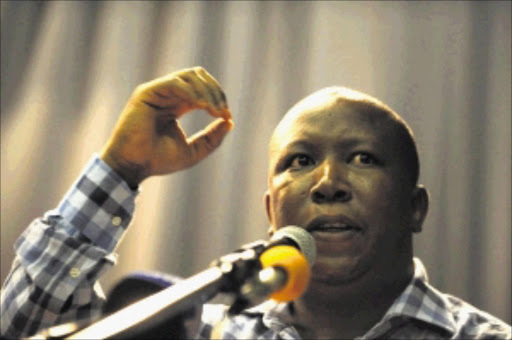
column 301, row 237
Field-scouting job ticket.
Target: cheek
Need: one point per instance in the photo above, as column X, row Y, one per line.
column 380, row 195
column 287, row 197
column 387, row 206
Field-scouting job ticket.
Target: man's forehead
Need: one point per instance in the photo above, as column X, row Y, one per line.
column 328, row 110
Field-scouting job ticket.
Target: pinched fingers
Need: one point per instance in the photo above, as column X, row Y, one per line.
column 207, row 91
column 185, row 90
column 216, row 92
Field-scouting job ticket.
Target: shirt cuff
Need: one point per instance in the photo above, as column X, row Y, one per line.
column 99, row 205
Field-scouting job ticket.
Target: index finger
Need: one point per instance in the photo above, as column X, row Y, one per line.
column 217, row 91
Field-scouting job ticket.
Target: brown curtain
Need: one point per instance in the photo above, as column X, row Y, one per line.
column 67, row 69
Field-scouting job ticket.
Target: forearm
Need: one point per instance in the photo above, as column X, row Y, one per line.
column 60, row 257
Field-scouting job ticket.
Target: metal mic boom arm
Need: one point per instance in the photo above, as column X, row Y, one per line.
column 225, row 275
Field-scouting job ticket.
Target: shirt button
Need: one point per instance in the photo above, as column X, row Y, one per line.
column 74, row 272
column 116, row 221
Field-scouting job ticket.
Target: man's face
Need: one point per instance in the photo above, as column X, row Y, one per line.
column 335, row 171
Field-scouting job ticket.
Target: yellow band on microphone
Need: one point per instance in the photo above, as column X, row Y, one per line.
column 296, row 267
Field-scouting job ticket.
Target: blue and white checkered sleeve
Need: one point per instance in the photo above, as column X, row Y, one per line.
column 99, row 206
column 60, row 257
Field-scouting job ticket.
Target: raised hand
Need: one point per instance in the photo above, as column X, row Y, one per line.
column 148, row 139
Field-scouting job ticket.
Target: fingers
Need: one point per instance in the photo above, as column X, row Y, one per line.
column 216, row 92
column 208, row 139
column 208, row 92
column 185, row 90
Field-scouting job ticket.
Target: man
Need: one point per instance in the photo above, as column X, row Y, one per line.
column 343, row 166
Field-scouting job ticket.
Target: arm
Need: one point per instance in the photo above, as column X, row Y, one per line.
column 60, row 257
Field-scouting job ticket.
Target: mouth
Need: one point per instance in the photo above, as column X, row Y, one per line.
column 333, row 224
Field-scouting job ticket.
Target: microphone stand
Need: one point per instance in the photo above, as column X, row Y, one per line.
column 225, row 275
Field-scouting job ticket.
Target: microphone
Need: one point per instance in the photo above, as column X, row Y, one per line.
column 279, row 268
column 286, row 261
column 297, row 237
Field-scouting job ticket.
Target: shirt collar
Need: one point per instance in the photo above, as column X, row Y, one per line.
column 273, row 313
column 422, row 302
column 418, row 301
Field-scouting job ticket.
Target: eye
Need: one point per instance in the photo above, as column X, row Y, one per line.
column 363, row 159
column 300, row 161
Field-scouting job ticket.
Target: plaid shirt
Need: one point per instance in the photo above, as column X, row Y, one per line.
column 59, row 258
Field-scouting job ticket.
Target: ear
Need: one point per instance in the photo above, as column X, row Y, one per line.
column 266, row 203
column 419, row 207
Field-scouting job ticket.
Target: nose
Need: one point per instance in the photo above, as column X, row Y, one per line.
column 331, row 187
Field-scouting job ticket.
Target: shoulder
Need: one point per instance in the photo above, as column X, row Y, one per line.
column 461, row 319
column 473, row 323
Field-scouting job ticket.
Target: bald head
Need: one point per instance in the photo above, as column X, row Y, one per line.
column 370, row 109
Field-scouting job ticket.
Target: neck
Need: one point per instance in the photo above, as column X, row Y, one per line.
column 347, row 311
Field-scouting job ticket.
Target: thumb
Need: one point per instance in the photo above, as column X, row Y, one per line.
column 205, row 141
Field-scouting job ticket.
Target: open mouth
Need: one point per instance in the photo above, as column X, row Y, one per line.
column 335, row 228
column 333, row 224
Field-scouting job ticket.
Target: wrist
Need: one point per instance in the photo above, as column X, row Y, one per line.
column 133, row 174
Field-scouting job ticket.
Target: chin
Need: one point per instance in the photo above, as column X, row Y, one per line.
column 331, row 274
